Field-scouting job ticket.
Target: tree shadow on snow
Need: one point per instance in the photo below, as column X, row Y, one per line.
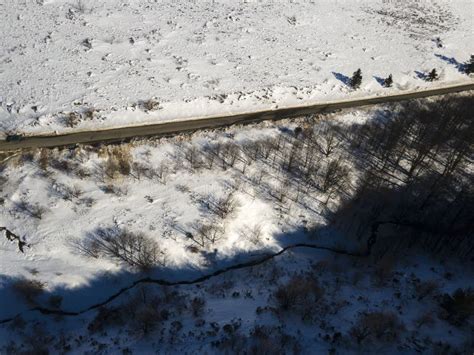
column 342, row 78
column 451, row 60
column 111, row 288
column 421, row 75
column 380, row 80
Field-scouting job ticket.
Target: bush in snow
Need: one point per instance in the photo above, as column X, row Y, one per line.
column 301, row 295
column 376, row 326
column 426, row 288
column 206, row 233
column 29, row 290
column 72, row 119
column 134, row 249
column 458, row 307
column 119, row 161
column 253, row 234
column 197, row 306
column 150, row 105
column 35, row 211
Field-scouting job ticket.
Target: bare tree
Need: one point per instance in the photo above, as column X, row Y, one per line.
column 335, row 178
column 134, row 249
column 253, row 234
column 206, row 233
column 326, row 139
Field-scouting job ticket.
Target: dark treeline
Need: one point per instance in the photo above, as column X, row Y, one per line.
column 416, row 174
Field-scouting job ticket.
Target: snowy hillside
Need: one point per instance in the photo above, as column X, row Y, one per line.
column 184, row 209
column 68, row 64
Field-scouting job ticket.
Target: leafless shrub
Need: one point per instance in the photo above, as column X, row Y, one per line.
column 327, row 139
column 43, row 160
column 80, row 6
column 192, row 156
column 62, row 165
column 147, row 312
column 230, row 154
column 68, row 193
column 150, row 105
column 35, row 211
column 458, row 307
column 301, row 294
column 383, row 270
column 222, row 207
column 426, row 288
column 162, row 171
column 143, row 170
column 280, row 192
column 17, row 323
column 113, row 189
column 376, row 326
column 335, row 178
column 72, row 119
column 252, row 149
column 206, row 233
column 89, row 113
column 119, row 161
column 55, row 301
column 197, row 306
column 225, row 205
column 106, row 317
column 271, row 340
column 253, row 234
column 29, row 290
column 37, row 340
column 134, row 249
column 211, row 153
column 425, row 319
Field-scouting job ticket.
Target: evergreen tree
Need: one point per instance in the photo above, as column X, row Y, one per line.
column 388, row 81
column 469, row 66
column 433, row 75
column 356, row 79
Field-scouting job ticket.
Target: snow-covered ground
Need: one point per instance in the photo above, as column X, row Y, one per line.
column 52, row 197
column 121, row 62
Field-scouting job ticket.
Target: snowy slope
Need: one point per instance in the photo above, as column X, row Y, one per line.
column 197, row 58
column 165, row 209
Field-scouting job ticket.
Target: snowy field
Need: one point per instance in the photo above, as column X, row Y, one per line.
column 72, row 64
column 247, row 187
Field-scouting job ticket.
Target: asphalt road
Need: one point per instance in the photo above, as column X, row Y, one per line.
column 170, row 128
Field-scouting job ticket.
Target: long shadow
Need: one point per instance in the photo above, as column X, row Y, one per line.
column 421, row 75
column 380, row 80
column 342, row 78
column 106, row 288
column 461, row 67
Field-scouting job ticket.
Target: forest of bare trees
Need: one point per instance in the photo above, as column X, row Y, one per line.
column 417, row 178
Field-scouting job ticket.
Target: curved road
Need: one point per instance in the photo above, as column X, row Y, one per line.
column 175, row 127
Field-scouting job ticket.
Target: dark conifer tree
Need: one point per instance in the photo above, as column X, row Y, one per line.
column 469, row 66
column 356, row 79
column 433, row 75
column 388, row 81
